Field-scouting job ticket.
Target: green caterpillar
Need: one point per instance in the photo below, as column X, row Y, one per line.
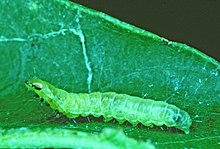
column 111, row 105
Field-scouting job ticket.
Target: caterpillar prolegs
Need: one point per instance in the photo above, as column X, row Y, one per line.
column 111, row 105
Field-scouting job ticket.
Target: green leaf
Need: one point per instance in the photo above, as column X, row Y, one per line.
column 82, row 50
column 64, row 138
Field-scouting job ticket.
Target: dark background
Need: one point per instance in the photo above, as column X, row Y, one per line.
column 193, row 22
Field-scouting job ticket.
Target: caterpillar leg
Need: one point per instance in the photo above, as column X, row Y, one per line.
column 135, row 123
column 148, row 125
column 41, row 100
column 57, row 113
column 47, row 104
column 74, row 121
column 151, row 125
column 121, row 121
column 71, row 115
column 107, row 119
column 88, row 119
column 36, row 96
column 85, row 114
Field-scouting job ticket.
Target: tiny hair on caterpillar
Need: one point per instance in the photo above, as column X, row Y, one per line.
column 111, row 105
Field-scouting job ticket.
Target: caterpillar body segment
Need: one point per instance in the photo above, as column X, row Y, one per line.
column 111, row 105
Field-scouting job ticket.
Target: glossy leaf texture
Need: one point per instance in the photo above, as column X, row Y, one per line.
column 83, row 50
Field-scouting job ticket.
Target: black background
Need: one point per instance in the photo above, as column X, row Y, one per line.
column 193, row 22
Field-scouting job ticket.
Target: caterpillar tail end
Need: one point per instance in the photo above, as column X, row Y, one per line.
column 183, row 122
column 187, row 131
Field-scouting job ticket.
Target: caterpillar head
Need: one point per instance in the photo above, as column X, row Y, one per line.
column 183, row 121
column 40, row 87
